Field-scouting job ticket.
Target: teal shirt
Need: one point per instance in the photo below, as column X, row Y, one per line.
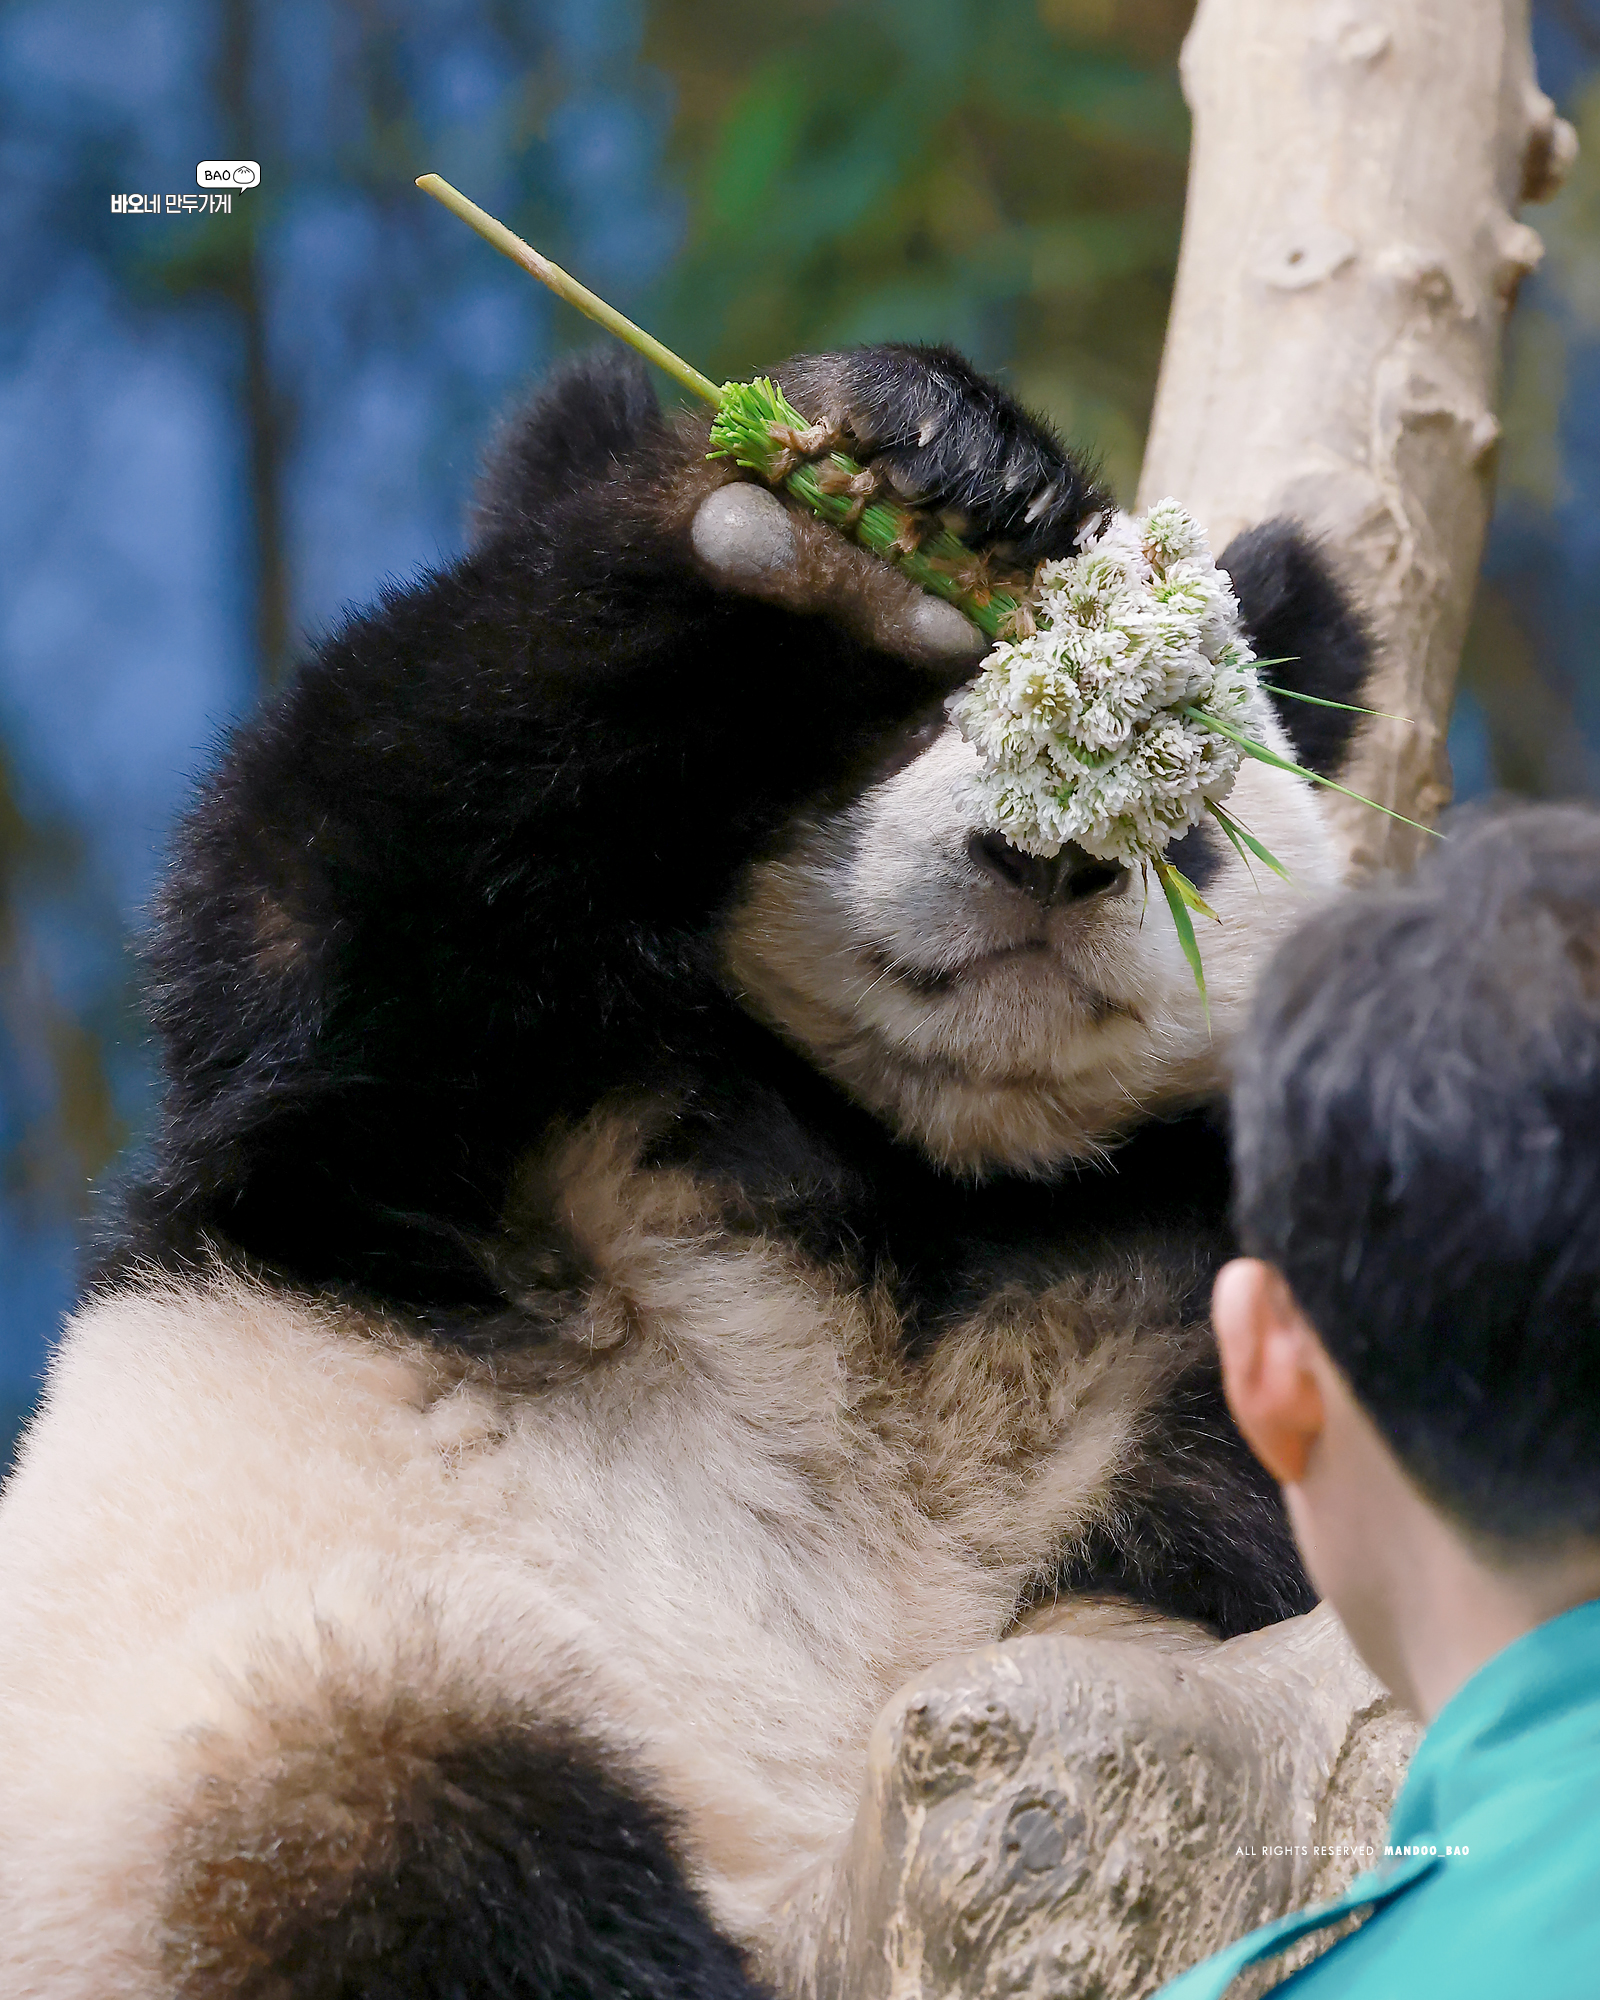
column 1503, row 1797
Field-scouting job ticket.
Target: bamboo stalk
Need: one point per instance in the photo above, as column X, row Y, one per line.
column 565, row 286
column 744, row 431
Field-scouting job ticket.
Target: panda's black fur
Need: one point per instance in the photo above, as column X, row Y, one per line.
column 514, row 1865
column 463, row 886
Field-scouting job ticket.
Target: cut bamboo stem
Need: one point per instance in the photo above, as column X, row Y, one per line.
column 940, row 564
column 565, row 286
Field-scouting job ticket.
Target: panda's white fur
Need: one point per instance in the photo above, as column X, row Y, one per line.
column 995, row 1032
column 343, row 1515
column 234, row 1500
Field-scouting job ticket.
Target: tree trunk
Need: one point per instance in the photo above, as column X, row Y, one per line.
column 1350, row 252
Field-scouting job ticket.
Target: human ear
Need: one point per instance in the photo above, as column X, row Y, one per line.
column 1268, row 1372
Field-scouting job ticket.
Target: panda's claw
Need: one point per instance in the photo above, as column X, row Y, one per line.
column 945, row 439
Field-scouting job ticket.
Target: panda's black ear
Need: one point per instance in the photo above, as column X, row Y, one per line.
column 587, row 413
column 1297, row 612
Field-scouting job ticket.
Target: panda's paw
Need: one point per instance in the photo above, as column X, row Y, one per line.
column 937, row 435
column 747, row 540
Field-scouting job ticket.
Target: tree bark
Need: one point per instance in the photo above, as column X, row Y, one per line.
column 1084, row 1818
column 1350, row 252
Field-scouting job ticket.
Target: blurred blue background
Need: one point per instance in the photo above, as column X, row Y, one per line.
column 218, row 430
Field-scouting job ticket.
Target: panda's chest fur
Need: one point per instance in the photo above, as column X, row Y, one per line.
column 776, row 1484
column 711, row 1516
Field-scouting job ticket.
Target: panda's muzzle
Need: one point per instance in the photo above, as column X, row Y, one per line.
column 1066, row 877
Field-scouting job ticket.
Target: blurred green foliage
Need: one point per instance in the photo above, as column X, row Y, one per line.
column 1005, row 177
column 68, row 1129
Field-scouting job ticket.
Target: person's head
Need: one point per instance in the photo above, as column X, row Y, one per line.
column 1417, row 1168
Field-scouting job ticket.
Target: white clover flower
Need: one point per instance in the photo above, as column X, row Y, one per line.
column 1081, row 728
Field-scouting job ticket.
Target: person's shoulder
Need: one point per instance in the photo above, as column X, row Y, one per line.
column 1513, row 1908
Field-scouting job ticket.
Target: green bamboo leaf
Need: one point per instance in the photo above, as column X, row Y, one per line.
column 1190, row 894
column 1238, row 844
column 1263, row 755
column 1242, row 839
column 1183, row 924
column 1319, row 701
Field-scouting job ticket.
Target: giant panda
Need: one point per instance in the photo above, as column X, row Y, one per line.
column 662, row 1227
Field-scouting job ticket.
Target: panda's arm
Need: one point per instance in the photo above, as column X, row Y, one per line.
column 463, row 875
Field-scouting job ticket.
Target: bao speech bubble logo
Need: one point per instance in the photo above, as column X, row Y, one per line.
column 228, row 173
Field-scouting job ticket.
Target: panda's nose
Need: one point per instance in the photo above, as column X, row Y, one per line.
column 1062, row 878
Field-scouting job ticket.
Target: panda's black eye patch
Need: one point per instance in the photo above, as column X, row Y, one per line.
column 906, row 745
column 1199, row 854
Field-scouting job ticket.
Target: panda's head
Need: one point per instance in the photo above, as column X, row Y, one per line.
column 1008, row 1013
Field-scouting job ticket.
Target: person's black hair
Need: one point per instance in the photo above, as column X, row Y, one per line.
column 1417, row 1150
